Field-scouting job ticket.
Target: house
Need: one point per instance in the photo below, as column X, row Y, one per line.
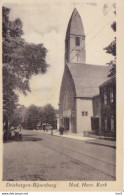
column 108, row 107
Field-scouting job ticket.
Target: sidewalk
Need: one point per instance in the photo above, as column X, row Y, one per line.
column 90, row 140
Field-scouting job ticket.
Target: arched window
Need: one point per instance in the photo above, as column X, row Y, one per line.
column 106, row 124
column 65, row 100
column 105, row 98
column 111, row 95
column 77, row 41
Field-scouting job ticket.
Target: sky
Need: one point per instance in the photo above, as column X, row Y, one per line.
column 46, row 22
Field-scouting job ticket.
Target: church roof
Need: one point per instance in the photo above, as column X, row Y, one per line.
column 109, row 80
column 75, row 25
column 87, row 78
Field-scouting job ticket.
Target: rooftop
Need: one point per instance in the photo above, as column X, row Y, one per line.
column 87, row 78
column 109, row 80
column 75, row 25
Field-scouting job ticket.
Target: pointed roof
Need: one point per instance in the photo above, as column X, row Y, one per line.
column 87, row 78
column 75, row 25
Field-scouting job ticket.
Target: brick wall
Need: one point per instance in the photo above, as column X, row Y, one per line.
column 108, row 108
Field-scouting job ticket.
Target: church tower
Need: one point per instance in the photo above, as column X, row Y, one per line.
column 75, row 40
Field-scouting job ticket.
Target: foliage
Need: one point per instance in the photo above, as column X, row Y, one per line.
column 34, row 115
column 111, row 49
column 31, row 117
column 17, row 117
column 49, row 114
column 21, row 60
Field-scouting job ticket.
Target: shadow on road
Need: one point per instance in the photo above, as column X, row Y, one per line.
column 24, row 139
column 33, row 139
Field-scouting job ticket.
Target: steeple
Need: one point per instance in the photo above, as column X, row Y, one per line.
column 75, row 26
column 75, row 40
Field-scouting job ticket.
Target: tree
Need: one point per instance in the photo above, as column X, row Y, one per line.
column 31, row 117
column 34, row 115
column 21, row 60
column 17, row 117
column 49, row 114
column 111, row 49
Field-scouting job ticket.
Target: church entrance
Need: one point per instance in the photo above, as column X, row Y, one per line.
column 95, row 124
column 66, row 123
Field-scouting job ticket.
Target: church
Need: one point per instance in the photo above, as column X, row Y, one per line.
column 79, row 102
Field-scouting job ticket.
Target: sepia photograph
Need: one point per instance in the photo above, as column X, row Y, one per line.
column 59, row 92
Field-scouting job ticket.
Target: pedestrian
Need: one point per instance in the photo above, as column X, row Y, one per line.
column 46, row 128
column 20, row 134
column 61, row 129
column 51, row 130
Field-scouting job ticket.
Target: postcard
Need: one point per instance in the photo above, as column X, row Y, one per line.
column 62, row 102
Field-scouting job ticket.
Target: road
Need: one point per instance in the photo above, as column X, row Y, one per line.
column 42, row 157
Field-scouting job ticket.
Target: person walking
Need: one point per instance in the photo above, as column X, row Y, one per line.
column 61, row 129
column 51, row 130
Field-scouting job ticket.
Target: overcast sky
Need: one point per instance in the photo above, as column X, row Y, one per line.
column 46, row 23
